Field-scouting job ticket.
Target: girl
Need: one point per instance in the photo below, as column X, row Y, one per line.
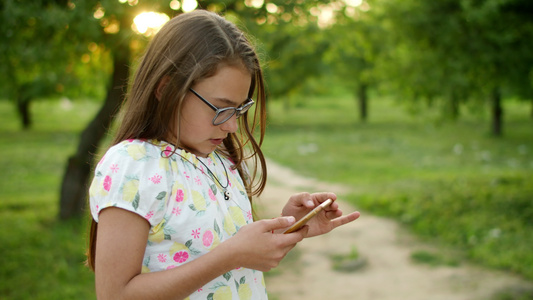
column 170, row 200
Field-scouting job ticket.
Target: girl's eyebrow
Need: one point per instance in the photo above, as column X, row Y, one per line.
column 230, row 102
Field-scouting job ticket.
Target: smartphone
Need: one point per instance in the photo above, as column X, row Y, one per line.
column 308, row 217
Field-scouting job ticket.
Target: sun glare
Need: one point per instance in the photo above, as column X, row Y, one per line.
column 353, row 3
column 148, row 23
column 254, row 3
column 189, row 5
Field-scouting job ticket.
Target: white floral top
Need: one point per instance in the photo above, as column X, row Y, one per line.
column 185, row 207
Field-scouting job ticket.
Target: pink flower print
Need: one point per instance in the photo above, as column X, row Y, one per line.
column 162, row 258
column 196, row 233
column 207, row 238
column 200, row 289
column 114, row 168
column 156, row 179
column 149, row 215
column 107, row 183
column 180, row 195
column 211, row 195
column 197, row 180
column 131, row 140
column 181, row 256
column 186, row 176
column 168, row 151
column 249, row 215
column 170, row 267
column 176, row 211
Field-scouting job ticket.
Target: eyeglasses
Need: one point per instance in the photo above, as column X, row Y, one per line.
column 224, row 114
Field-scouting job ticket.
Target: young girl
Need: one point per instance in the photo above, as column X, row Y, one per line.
column 171, row 199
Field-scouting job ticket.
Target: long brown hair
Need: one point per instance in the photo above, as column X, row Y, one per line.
column 188, row 48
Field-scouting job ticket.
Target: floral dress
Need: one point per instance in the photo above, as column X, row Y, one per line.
column 184, row 205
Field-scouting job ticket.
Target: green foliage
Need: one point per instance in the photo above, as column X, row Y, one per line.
column 514, row 293
column 41, row 55
column 41, row 257
column 433, row 259
column 349, row 262
column 449, row 182
column 458, row 50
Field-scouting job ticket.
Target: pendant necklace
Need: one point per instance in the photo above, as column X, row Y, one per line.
column 227, row 194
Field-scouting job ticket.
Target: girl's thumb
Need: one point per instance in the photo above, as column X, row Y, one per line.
column 279, row 223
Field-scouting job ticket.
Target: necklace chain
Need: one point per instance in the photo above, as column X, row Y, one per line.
column 213, row 177
column 227, row 194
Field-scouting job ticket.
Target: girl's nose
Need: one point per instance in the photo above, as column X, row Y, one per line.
column 230, row 125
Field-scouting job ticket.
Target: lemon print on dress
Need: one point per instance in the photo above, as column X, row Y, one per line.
column 199, row 203
column 158, row 234
column 237, row 216
column 136, row 151
column 166, row 165
column 179, row 252
column 245, row 293
column 98, row 188
column 229, row 227
column 130, row 189
column 222, row 293
column 145, row 269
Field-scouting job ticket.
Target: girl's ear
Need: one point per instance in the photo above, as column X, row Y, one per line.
column 161, row 87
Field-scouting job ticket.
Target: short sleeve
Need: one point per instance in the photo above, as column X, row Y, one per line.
column 131, row 176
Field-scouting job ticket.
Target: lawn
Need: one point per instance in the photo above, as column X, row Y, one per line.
column 40, row 257
column 450, row 182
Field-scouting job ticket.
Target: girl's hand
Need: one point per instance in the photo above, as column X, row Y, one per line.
column 327, row 220
column 255, row 246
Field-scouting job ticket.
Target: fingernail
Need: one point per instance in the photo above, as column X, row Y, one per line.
column 310, row 203
column 290, row 219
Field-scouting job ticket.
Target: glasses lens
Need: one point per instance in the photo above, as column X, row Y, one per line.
column 245, row 108
column 226, row 113
column 223, row 116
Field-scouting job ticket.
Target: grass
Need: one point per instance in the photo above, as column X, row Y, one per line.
column 449, row 182
column 40, row 257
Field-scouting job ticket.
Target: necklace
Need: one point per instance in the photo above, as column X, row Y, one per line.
column 227, row 194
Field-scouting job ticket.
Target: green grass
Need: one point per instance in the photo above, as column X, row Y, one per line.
column 40, row 257
column 449, row 182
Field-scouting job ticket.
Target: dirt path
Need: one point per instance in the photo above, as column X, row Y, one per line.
column 389, row 272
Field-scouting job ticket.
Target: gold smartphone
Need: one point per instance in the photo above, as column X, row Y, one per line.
column 308, row 217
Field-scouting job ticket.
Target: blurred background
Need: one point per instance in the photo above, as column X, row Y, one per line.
column 424, row 108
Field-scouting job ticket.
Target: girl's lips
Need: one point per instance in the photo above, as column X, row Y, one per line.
column 217, row 141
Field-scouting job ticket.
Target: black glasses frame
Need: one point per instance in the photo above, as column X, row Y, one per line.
column 241, row 110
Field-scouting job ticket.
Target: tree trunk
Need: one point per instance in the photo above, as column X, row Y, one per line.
column 75, row 181
column 23, row 108
column 497, row 112
column 454, row 106
column 362, row 97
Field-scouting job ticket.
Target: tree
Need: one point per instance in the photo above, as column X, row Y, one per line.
column 115, row 33
column 355, row 47
column 36, row 59
column 461, row 50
